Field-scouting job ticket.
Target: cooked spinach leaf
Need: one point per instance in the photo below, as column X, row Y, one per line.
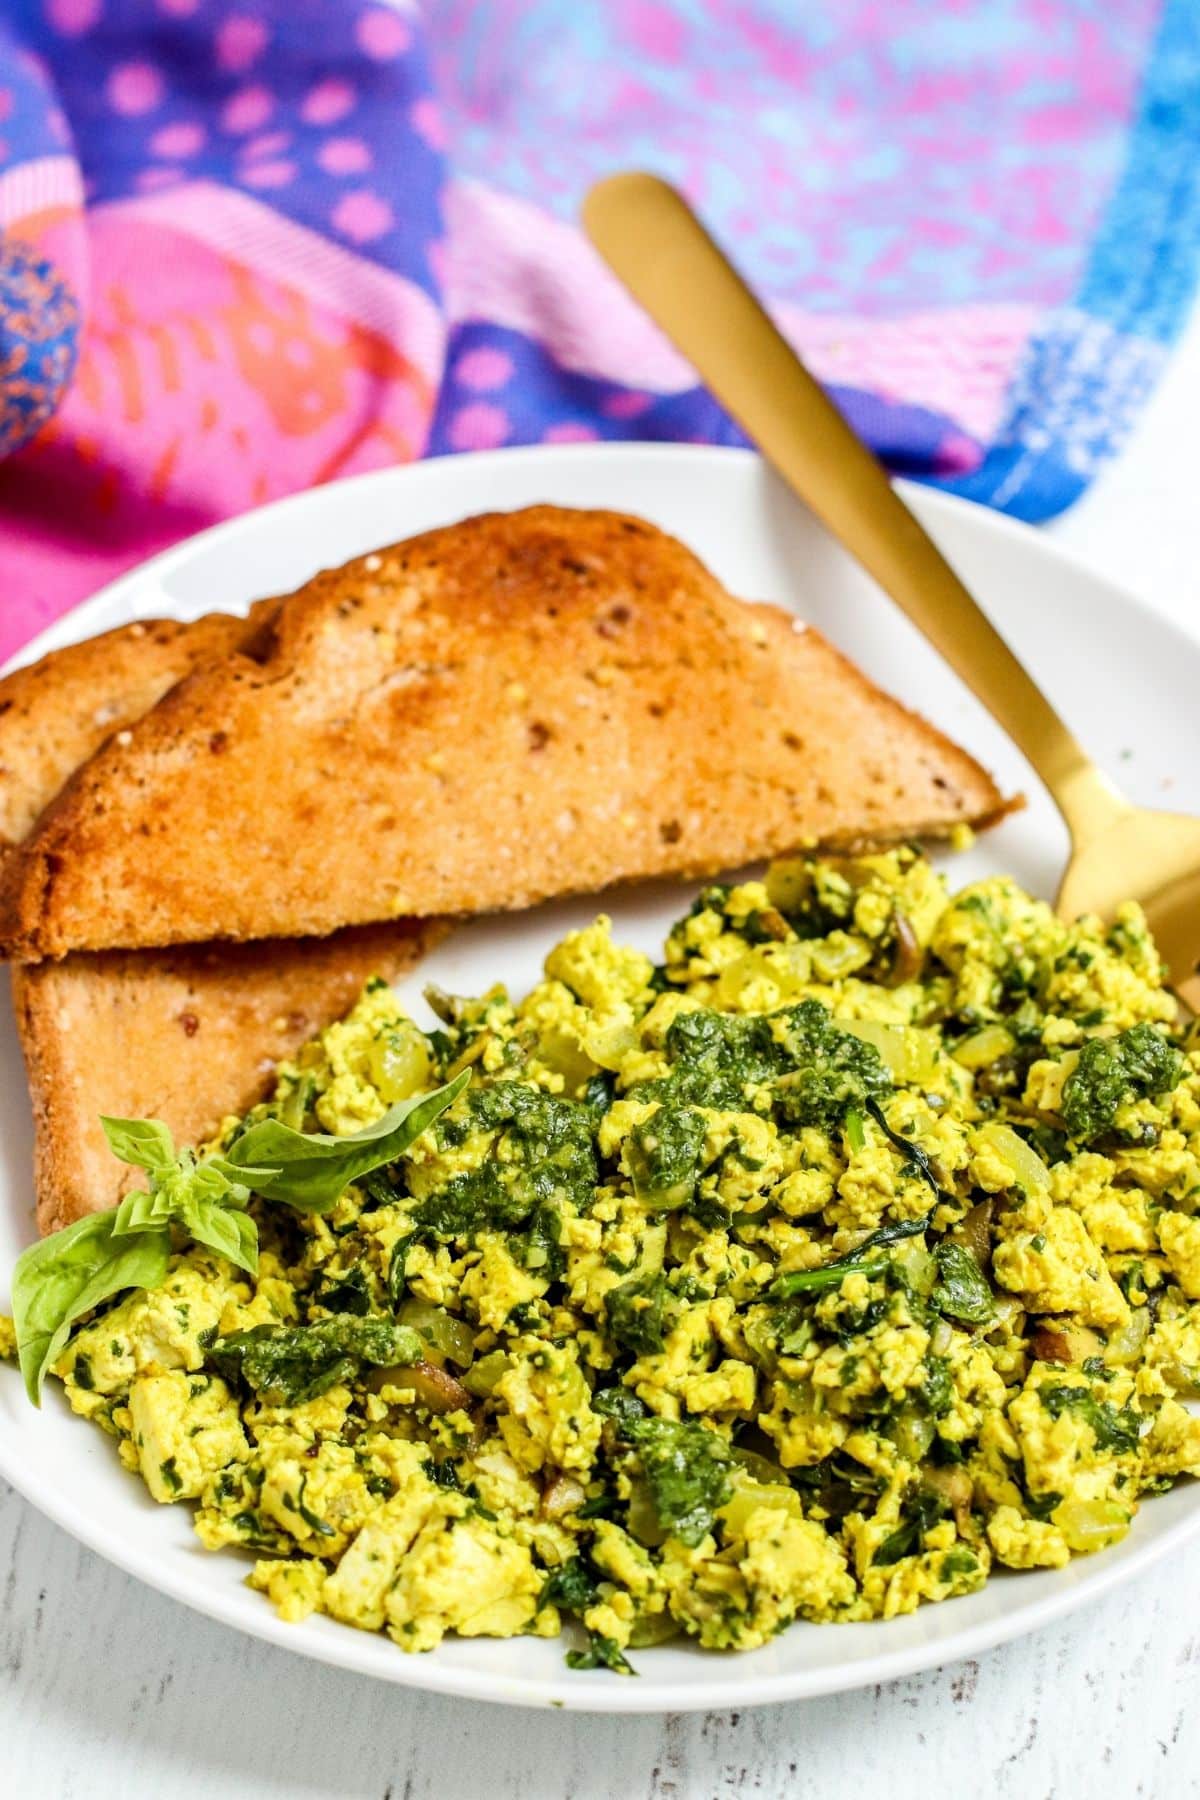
column 918, row 1158
column 543, row 1155
column 687, row 1472
column 937, row 1389
column 863, row 1260
column 961, row 1291
column 621, row 1405
column 637, row 1312
column 573, row 1587
column 599, row 1091
column 346, row 1293
column 922, row 1512
column 815, row 1070
column 537, row 1245
column 1116, row 1428
column 601, row 1653
column 715, row 1057
column 831, row 1275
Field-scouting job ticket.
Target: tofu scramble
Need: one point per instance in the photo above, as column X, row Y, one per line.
column 850, row 1253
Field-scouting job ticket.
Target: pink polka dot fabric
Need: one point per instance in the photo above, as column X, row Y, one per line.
column 328, row 102
column 251, row 245
column 247, row 110
column 136, row 88
column 239, row 41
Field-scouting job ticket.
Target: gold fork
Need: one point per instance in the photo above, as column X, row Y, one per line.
column 650, row 238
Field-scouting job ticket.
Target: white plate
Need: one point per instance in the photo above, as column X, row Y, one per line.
column 1125, row 679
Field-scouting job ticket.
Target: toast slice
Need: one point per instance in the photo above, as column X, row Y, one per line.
column 187, row 1036
column 57, row 712
column 519, row 706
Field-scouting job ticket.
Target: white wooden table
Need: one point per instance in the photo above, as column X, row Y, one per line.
column 106, row 1689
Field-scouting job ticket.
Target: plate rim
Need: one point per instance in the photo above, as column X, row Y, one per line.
column 355, row 1651
column 424, row 1674
column 923, row 498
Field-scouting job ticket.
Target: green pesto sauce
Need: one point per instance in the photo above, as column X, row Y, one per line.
column 1136, row 1064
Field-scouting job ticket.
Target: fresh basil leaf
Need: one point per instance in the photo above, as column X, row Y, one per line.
column 228, row 1230
column 244, row 1179
column 58, row 1280
column 207, row 1181
column 207, row 1198
column 146, row 1143
column 141, row 1211
column 314, row 1168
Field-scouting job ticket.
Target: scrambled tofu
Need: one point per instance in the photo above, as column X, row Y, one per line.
column 848, row 1253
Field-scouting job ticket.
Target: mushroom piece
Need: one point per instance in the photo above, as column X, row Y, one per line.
column 957, row 1489
column 435, row 1388
column 908, row 955
column 772, row 924
column 974, row 1232
column 1052, row 1341
column 562, row 1495
column 1050, row 1346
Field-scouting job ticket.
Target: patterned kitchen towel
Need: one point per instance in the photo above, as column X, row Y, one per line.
column 249, row 245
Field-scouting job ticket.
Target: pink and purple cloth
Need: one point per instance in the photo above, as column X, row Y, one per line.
column 251, row 245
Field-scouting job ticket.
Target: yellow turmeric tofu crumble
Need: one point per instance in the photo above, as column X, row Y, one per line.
column 846, row 1255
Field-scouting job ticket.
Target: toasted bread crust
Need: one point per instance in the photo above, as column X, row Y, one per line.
column 57, row 712
column 521, row 705
column 188, row 1036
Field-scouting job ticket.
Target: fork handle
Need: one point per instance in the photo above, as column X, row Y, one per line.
column 651, row 239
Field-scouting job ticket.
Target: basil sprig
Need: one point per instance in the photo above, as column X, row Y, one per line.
column 208, row 1199
column 55, row 1282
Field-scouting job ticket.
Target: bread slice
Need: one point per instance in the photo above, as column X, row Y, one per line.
column 519, row 706
column 57, row 712
column 187, row 1036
